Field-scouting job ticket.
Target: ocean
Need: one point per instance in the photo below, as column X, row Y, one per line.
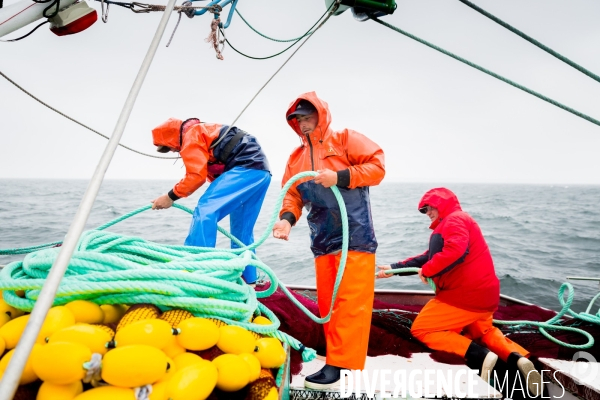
column 538, row 234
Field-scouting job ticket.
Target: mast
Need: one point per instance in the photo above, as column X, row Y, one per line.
column 10, row 380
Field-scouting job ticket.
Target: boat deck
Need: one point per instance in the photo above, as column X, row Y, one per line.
column 580, row 379
column 377, row 380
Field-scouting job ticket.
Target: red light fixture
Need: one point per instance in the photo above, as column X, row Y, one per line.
column 74, row 19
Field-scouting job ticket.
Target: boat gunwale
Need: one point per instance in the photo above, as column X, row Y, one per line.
column 415, row 292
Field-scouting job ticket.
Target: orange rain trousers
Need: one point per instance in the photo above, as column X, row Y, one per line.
column 439, row 326
column 347, row 332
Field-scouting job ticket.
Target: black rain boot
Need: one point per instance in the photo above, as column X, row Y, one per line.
column 326, row 378
column 528, row 373
column 481, row 359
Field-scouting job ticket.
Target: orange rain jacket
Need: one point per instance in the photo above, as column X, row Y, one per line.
column 359, row 163
column 194, row 147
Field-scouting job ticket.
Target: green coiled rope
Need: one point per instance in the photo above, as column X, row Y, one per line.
column 551, row 323
column 108, row 268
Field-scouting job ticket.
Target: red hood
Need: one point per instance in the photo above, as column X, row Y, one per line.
column 444, row 200
column 167, row 134
column 322, row 110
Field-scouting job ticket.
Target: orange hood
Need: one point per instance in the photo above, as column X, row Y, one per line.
column 167, row 134
column 322, row 110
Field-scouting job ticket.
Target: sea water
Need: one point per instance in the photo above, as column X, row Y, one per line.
column 538, row 234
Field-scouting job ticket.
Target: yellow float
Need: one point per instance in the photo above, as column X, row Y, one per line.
column 270, row 352
column 260, row 320
column 254, row 365
column 57, row 318
column 12, row 330
column 234, row 372
column 107, row 393
column 197, row 334
column 28, row 374
column 152, row 332
column 195, row 382
column 186, row 359
column 91, row 336
column 173, row 348
column 50, row 391
column 235, row 340
column 134, row 365
column 86, row 311
column 8, row 309
column 61, row 363
column 113, row 313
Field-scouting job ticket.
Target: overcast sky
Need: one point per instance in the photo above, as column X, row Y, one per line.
column 436, row 118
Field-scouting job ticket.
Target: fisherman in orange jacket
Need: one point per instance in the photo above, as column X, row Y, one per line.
column 352, row 162
column 459, row 319
column 235, row 164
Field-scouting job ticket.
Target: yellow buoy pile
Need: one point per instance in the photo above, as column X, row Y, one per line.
column 148, row 356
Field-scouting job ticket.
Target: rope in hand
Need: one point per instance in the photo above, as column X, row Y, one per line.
column 542, row 326
column 108, row 268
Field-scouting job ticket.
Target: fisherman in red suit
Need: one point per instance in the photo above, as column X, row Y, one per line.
column 459, row 319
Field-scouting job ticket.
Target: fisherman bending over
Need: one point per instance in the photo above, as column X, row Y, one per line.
column 238, row 169
column 459, row 319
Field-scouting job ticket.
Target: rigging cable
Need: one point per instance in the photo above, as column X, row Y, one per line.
column 331, row 10
column 53, row 3
column 532, row 40
column 190, row 15
column 77, row 122
column 503, row 79
column 308, row 33
column 143, row 8
column 270, row 38
column 27, row 34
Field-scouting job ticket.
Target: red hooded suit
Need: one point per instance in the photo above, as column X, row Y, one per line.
column 467, row 289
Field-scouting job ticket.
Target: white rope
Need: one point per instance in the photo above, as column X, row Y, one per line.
column 143, row 392
column 93, row 369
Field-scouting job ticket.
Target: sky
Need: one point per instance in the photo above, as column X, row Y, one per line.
column 437, row 119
